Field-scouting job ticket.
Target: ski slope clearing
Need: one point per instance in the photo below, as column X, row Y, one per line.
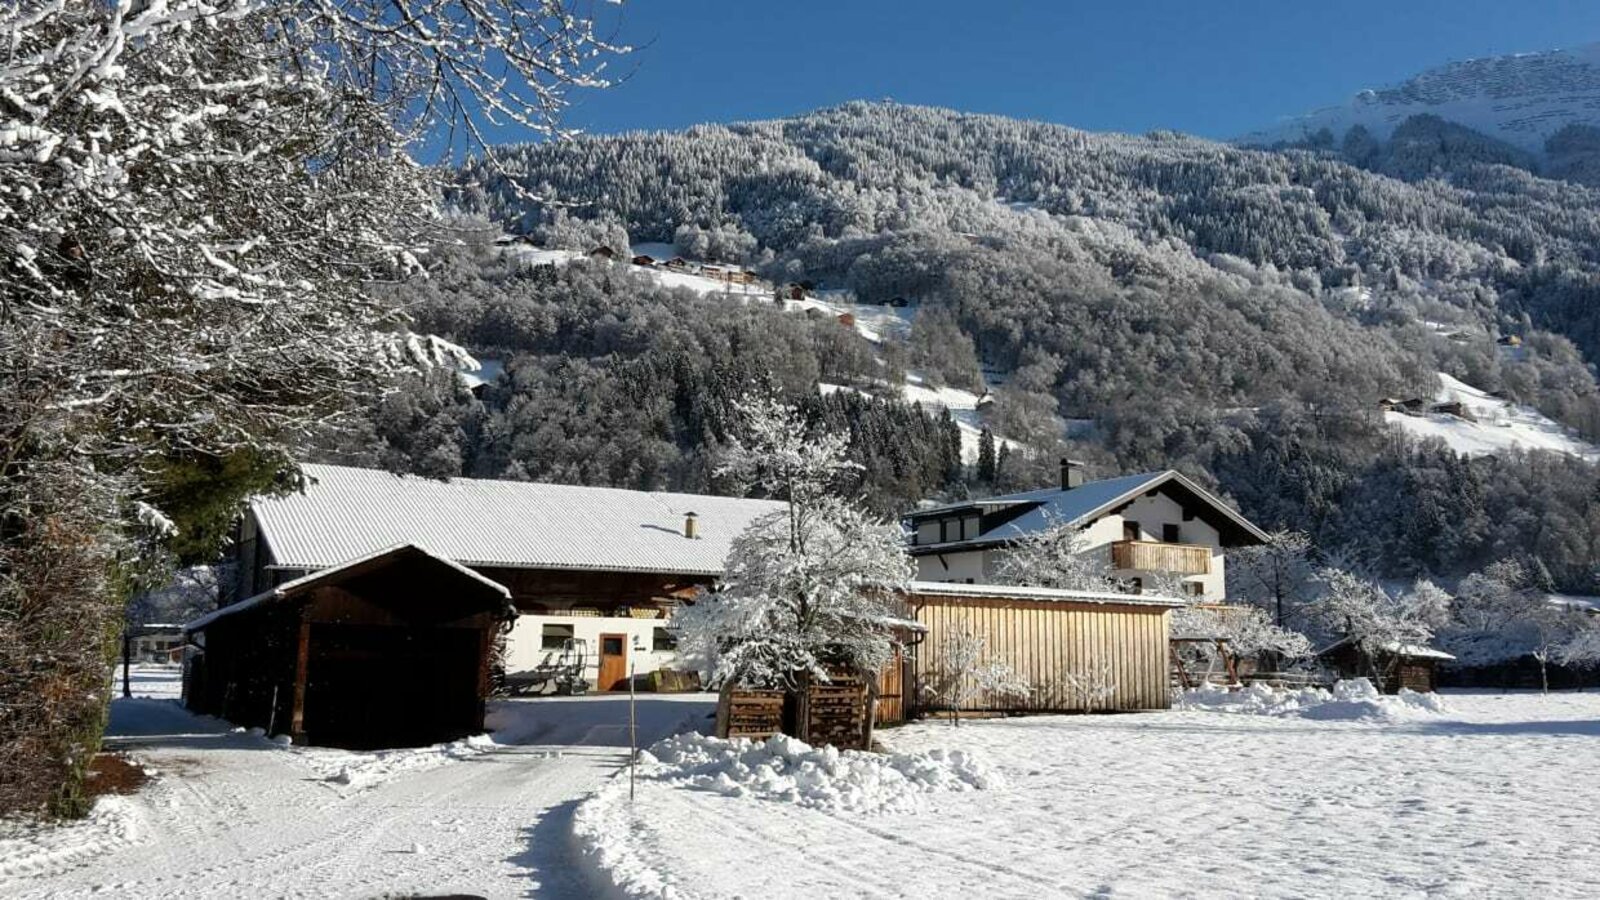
column 230, row 814
column 1492, row 797
column 1496, row 426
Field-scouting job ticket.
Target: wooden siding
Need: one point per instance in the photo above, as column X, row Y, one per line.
column 1050, row 643
column 1156, row 556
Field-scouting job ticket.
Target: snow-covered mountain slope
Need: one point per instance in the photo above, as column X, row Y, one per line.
column 1521, row 99
column 1495, row 425
column 963, row 407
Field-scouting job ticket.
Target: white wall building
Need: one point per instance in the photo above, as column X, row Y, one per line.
column 1144, row 524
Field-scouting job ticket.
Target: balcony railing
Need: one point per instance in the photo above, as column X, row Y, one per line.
column 1158, row 556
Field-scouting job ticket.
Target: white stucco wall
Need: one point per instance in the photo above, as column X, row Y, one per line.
column 524, row 650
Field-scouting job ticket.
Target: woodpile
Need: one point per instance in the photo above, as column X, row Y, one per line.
column 757, row 715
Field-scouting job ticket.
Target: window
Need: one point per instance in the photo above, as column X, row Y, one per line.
column 1171, row 533
column 1138, row 585
column 1130, row 531
column 1194, row 588
column 969, row 528
column 554, row 637
column 662, row 640
column 611, row 645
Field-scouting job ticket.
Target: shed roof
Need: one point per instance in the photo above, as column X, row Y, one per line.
column 351, row 569
column 1016, row 592
column 347, row 513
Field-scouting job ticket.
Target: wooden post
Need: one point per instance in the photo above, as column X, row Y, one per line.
column 302, row 662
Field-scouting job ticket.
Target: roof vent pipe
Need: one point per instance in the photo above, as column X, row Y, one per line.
column 1071, row 474
column 690, row 520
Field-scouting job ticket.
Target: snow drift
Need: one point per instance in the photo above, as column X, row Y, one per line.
column 615, row 839
column 791, row 771
column 1354, row 700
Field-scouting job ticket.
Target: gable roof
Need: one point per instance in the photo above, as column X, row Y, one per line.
column 355, row 568
column 347, row 513
column 1082, row 505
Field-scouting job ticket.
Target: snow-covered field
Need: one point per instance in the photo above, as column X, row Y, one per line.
column 230, row 814
column 1303, row 795
column 1499, row 425
column 1492, row 797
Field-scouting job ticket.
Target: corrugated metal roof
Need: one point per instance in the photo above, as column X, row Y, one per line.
column 345, row 513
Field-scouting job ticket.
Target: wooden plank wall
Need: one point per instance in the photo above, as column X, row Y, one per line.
column 1046, row 642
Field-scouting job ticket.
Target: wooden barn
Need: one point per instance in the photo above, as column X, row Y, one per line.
column 1080, row 651
column 1396, row 666
column 388, row 650
column 592, row 572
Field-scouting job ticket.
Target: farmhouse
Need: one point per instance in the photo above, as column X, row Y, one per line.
column 589, row 574
column 1155, row 522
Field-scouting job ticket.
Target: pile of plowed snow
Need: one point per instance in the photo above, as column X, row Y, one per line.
column 1356, row 699
column 788, row 770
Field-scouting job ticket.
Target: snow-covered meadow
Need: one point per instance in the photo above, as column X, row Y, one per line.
column 1338, row 796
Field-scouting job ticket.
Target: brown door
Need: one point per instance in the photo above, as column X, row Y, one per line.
column 613, row 662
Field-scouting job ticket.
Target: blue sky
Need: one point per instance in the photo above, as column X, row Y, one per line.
column 1210, row 68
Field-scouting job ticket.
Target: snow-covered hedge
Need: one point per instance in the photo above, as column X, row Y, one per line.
column 1356, row 700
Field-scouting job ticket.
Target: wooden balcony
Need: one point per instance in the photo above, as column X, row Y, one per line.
column 1156, row 556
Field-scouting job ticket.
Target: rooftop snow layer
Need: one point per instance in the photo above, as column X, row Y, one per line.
column 346, row 513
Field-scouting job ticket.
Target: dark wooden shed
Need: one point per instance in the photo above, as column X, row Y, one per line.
column 1395, row 666
column 388, row 650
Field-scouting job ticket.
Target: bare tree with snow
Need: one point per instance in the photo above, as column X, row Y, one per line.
column 809, row 588
column 1058, row 556
column 1376, row 622
column 966, row 672
column 196, row 201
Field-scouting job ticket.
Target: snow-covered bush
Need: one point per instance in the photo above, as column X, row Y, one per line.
column 1354, row 699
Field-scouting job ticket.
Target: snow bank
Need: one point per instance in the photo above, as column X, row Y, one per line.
column 615, row 838
column 1354, row 700
column 788, row 770
column 28, row 847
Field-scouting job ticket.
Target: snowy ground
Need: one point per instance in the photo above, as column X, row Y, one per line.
column 1498, row 426
column 1493, row 797
column 231, row 814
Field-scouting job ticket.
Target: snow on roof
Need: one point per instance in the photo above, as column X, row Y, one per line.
column 346, row 513
column 1015, row 592
column 1085, row 503
column 295, row 585
column 1416, row 651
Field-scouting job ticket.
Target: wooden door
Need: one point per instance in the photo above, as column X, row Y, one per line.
column 613, row 662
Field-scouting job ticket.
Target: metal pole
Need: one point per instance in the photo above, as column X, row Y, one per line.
column 633, row 731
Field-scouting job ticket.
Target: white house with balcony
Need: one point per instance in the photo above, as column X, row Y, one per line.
column 1145, row 524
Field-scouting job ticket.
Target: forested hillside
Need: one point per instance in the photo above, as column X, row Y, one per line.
column 1162, row 300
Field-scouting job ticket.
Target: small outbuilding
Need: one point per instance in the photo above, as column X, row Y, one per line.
column 1079, row 651
column 392, row 649
column 1392, row 667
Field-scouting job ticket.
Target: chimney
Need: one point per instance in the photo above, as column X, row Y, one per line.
column 689, row 522
column 1071, row 474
